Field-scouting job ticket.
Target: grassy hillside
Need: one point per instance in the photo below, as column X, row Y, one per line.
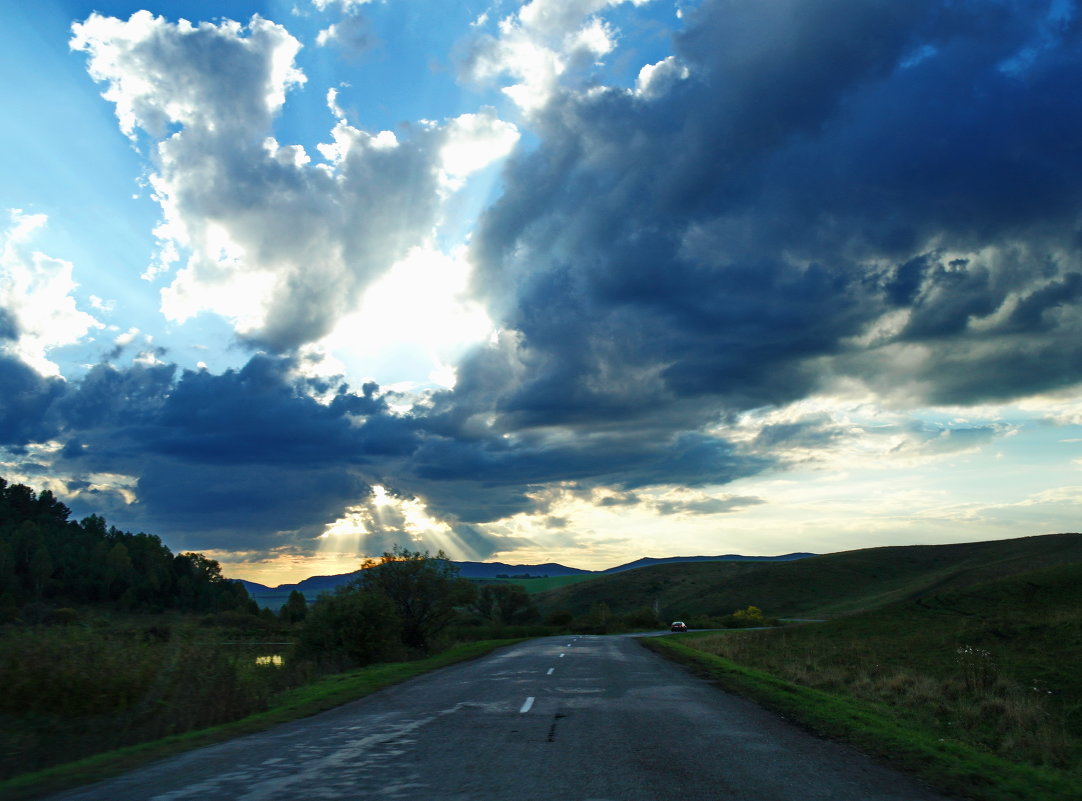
column 1030, row 625
column 821, row 586
column 991, row 667
column 537, row 585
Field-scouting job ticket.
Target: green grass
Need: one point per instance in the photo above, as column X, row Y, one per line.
column 323, row 694
column 822, row 586
column 948, row 764
column 971, row 687
column 536, row 585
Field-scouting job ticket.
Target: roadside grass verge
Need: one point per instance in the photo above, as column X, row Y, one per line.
column 310, row 699
column 950, row 765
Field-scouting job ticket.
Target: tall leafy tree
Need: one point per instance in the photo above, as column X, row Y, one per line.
column 295, row 610
column 46, row 556
column 350, row 626
column 425, row 591
column 505, row 604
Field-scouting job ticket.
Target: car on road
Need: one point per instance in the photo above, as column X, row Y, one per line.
column 679, row 626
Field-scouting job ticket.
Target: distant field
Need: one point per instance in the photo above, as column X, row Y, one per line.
column 536, row 585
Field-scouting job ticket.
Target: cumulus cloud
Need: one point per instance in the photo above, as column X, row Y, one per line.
column 809, row 203
column 353, row 35
column 343, row 5
column 539, row 46
column 278, row 242
column 37, row 309
column 805, row 198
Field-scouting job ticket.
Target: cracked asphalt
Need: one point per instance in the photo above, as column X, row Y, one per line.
column 587, row 718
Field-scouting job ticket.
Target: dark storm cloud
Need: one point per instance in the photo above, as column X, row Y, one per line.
column 486, row 479
column 24, row 403
column 108, row 397
column 742, row 238
column 249, row 459
column 243, row 506
column 248, row 452
column 831, row 182
column 226, row 459
column 847, row 189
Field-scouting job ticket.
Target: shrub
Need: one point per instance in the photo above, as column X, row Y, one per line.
column 752, row 617
column 977, row 667
column 351, row 627
column 643, row 618
column 560, row 617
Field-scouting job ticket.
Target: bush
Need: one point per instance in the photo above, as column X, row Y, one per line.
column 91, row 690
column 425, row 592
column 598, row 621
column 237, row 620
column 351, row 627
column 752, row 617
column 644, row 618
column 561, row 617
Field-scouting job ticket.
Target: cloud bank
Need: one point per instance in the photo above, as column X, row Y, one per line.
column 844, row 199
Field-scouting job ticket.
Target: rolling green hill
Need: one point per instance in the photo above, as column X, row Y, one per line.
column 821, row 586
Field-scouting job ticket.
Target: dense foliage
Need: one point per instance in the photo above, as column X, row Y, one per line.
column 45, row 558
column 397, row 605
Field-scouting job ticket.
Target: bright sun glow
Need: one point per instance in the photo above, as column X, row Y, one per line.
column 415, row 321
column 380, row 496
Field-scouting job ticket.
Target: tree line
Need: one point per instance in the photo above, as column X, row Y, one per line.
column 46, row 558
column 399, row 606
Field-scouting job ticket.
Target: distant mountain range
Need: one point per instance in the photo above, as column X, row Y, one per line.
column 274, row 597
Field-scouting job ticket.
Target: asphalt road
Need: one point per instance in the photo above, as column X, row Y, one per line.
column 556, row 719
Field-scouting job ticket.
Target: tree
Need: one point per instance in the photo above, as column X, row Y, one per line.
column 295, row 609
column 41, row 570
column 423, row 589
column 505, row 604
column 352, row 625
column 119, row 570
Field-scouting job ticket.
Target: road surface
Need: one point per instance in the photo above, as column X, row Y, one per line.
column 556, row 719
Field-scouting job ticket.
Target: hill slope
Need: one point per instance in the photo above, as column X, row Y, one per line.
column 550, row 573
column 818, row 586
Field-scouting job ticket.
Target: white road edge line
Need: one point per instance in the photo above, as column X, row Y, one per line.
column 526, row 706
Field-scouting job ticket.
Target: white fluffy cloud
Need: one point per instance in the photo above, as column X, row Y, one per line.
column 344, row 5
column 281, row 244
column 539, row 44
column 36, row 291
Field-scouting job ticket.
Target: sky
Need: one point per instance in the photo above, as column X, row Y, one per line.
column 288, row 283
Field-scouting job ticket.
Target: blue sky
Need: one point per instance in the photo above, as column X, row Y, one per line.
column 570, row 280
